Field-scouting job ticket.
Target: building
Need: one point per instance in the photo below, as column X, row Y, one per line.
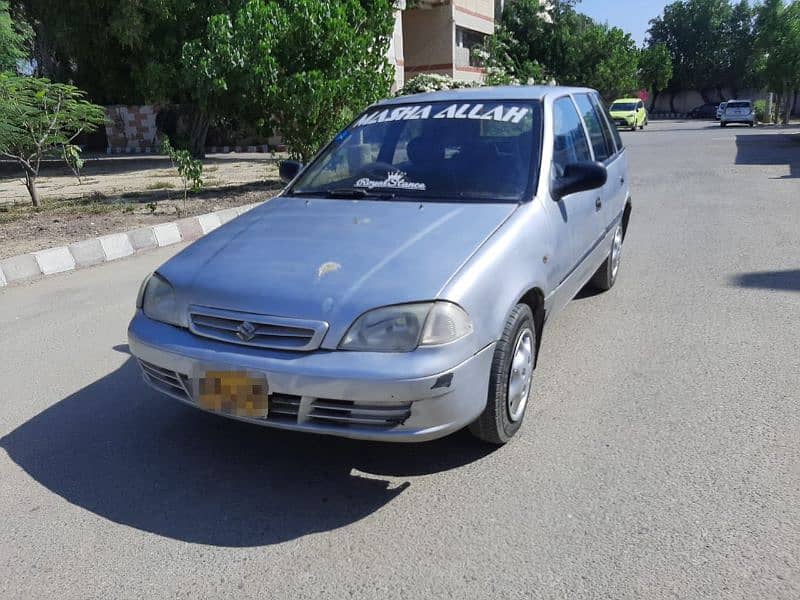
column 438, row 36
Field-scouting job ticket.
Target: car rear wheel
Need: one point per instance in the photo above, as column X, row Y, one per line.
column 722, row 124
column 510, row 380
column 606, row 276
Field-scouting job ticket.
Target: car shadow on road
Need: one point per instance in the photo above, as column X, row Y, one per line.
column 129, row 455
column 788, row 280
column 770, row 149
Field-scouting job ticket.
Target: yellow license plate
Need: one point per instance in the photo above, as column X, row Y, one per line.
column 238, row 393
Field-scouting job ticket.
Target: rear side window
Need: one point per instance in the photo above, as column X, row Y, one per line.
column 603, row 145
column 569, row 140
column 602, row 108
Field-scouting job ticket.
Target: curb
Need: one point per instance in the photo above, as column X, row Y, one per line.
column 107, row 248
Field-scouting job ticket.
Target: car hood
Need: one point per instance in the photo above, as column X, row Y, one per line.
column 331, row 259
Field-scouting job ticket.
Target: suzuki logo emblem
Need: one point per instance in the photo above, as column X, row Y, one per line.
column 246, row 331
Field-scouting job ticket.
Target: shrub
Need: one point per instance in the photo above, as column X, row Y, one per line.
column 760, row 108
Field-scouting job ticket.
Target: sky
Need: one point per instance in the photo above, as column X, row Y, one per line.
column 631, row 15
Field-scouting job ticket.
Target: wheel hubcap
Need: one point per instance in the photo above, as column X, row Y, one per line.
column 616, row 251
column 519, row 379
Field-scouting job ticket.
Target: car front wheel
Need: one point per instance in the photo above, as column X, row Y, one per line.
column 510, row 380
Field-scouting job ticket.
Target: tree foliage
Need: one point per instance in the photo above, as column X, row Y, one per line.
column 41, row 117
column 710, row 42
column 778, row 42
column 538, row 41
column 655, row 67
column 301, row 67
column 13, row 38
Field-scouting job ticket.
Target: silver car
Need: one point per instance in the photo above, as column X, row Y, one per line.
column 400, row 286
column 738, row 111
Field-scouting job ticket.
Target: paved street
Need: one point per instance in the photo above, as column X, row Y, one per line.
column 660, row 459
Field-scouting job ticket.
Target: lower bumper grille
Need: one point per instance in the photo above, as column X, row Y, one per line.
column 347, row 412
column 169, row 382
column 285, row 408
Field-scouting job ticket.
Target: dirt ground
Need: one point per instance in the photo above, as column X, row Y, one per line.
column 121, row 193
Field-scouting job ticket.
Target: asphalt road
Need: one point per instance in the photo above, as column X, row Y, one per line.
column 661, row 458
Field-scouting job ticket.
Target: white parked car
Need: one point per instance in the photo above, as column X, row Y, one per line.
column 738, row 111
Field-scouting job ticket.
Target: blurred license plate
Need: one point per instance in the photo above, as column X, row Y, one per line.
column 238, row 393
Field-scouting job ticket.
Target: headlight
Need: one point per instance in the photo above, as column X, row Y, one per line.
column 158, row 301
column 404, row 327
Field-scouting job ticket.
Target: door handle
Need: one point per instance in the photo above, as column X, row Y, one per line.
column 598, row 204
column 622, row 180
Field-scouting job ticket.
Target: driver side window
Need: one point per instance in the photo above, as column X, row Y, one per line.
column 569, row 139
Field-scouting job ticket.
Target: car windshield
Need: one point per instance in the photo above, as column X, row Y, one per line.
column 623, row 106
column 463, row 151
column 738, row 105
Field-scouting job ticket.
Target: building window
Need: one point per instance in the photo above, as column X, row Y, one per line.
column 466, row 41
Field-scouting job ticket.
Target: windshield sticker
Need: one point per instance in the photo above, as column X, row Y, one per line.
column 394, row 180
column 501, row 113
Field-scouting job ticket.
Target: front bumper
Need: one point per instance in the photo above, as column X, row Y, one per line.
column 350, row 394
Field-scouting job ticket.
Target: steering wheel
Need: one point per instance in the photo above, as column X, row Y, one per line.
column 375, row 170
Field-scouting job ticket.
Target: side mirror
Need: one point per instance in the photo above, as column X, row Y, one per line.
column 288, row 170
column 579, row 177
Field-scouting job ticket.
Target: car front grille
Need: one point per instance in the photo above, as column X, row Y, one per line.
column 261, row 331
column 347, row 412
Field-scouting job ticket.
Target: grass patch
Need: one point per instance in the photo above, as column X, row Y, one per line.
column 160, row 185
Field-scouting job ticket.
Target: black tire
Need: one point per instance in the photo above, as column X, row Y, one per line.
column 722, row 124
column 634, row 126
column 495, row 425
column 606, row 276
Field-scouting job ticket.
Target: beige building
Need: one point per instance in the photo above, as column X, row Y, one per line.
column 438, row 36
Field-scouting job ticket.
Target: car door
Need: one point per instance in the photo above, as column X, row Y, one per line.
column 617, row 188
column 575, row 218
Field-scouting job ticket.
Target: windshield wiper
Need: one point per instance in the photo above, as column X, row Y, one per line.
column 357, row 193
column 347, row 193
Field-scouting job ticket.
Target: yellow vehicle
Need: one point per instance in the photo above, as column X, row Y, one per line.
column 629, row 112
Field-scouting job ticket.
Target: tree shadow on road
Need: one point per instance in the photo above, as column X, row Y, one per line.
column 134, row 457
column 788, row 280
column 770, row 149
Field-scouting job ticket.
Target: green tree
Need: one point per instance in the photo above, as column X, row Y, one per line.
column 606, row 59
column 740, row 41
column 301, row 67
column 537, row 40
column 13, row 38
column 778, row 42
column 126, row 51
column 39, row 118
column 655, row 69
column 696, row 33
column 515, row 50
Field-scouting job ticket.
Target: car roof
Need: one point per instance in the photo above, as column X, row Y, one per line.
column 505, row 92
column 737, row 100
column 626, row 100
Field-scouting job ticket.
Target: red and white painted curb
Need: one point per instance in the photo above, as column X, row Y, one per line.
column 107, row 248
